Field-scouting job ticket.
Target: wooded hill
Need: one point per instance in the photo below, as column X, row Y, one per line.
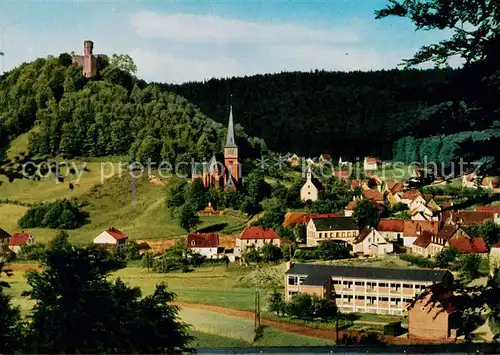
column 111, row 114
column 348, row 114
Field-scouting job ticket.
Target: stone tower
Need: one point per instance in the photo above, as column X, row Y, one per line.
column 233, row 169
column 88, row 61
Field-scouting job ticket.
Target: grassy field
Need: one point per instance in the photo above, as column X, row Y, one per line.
column 109, row 204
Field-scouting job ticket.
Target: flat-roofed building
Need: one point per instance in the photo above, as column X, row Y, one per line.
column 363, row 289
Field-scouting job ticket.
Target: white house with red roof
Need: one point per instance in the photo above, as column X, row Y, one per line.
column 370, row 163
column 255, row 237
column 494, row 258
column 112, row 238
column 206, row 244
column 391, row 229
column 17, row 240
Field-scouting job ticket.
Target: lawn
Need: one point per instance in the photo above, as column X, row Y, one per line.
column 208, row 285
column 243, row 330
column 208, row 340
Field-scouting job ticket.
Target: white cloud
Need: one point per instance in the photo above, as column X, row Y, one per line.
column 155, row 66
column 215, row 29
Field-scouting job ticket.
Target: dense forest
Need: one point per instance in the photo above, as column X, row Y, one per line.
column 344, row 114
column 111, row 114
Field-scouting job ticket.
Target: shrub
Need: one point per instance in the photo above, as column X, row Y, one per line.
column 56, row 215
column 417, row 260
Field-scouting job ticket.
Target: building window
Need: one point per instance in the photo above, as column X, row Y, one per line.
column 337, row 234
column 384, row 299
column 407, row 286
column 369, row 240
column 394, row 287
column 370, row 285
column 336, row 282
column 383, row 284
column 292, row 280
column 359, row 283
column 360, row 297
column 320, row 234
column 292, row 293
column 308, row 186
column 343, row 234
column 395, row 301
column 193, row 243
column 371, row 300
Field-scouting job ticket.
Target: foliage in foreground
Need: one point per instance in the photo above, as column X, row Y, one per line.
column 78, row 310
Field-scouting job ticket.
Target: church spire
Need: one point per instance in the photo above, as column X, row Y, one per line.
column 230, row 141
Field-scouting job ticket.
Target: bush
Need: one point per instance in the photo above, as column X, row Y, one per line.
column 33, row 252
column 56, row 215
column 418, row 260
column 328, row 250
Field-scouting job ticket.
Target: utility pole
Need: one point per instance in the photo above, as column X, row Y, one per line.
column 257, row 313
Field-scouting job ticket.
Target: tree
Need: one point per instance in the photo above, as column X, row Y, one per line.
column 276, row 303
column 366, row 213
column 446, row 258
column 188, row 218
column 332, row 250
column 488, row 230
column 256, row 187
column 325, row 309
column 175, row 192
column 10, row 331
column 468, row 265
column 78, row 310
column 123, row 62
column 271, row 253
column 60, row 241
column 301, row 306
column 196, row 194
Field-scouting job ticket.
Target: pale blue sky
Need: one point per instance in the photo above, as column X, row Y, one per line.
column 176, row 41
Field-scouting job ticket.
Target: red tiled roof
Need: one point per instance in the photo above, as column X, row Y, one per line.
column 258, row 233
column 410, row 227
column 496, row 245
column 447, row 232
column 391, row 225
column 115, row 233
column 373, row 195
column 395, row 187
column 467, row 217
column 18, row 239
column 203, row 240
column 350, row 205
column 293, row 218
column 494, row 209
column 423, row 239
column 469, row 245
column 341, row 174
column 411, row 194
column 372, row 160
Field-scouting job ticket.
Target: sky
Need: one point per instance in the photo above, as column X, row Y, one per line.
column 179, row 41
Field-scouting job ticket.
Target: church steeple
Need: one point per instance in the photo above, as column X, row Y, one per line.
column 233, row 170
column 230, row 140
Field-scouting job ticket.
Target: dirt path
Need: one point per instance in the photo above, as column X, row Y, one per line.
column 301, row 329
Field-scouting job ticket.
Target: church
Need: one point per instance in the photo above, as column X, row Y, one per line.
column 228, row 175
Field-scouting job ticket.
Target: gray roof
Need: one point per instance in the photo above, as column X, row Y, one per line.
column 323, row 272
column 4, row 234
column 230, row 139
column 335, row 223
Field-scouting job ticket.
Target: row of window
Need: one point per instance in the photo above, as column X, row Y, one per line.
column 337, row 235
column 373, row 299
column 394, row 286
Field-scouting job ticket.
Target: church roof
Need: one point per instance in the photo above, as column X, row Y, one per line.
column 230, row 139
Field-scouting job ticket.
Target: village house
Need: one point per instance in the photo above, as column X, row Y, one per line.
column 413, row 229
column 113, row 239
column 411, row 195
column 392, row 199
column 206, row 244
column 363, row 289
column 4, row 241
column 311, row 161
column 337, row 228
column 341, row 174
column 293, row 160
column 494, row 258
column 370, row 164
column 391, row 229
column 374, row 195
column 18, row 240
column 255, row 237
column 349, row 209
column 394, row 187
column 370, row 242
column 359, row 184
column 430, row 245
column 312, row 188
column 432, row 315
